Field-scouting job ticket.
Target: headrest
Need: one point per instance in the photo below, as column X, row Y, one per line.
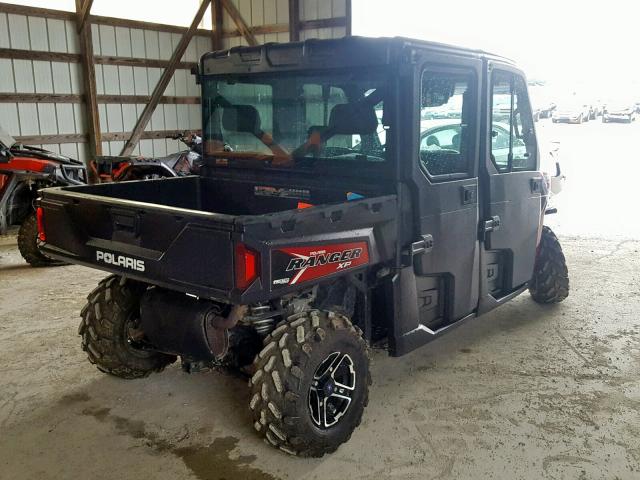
column 241, row 118
column 353, row 118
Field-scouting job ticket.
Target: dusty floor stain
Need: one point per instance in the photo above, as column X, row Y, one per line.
column 211, row 462
column 77, row 397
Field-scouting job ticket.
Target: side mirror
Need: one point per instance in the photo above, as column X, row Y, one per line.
column 195, row 71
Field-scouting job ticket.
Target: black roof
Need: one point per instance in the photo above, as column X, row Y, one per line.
column 327, row 53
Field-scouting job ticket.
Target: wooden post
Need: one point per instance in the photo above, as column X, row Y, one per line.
column 294, row 20
column 83, row 14
column 90, row 94
column 349, row 18
column 164, row 80
column 216, row 25
column 244, row 29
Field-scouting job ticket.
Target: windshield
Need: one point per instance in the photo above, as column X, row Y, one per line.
column 295, row 120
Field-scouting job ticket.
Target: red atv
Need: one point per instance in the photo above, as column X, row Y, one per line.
column 23, row 171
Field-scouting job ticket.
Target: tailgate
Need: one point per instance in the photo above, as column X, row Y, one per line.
column 175, row 247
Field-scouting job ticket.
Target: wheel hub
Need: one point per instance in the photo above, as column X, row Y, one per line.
column 332, row 389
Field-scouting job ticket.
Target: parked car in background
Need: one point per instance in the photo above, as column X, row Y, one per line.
column 541, row 103
column 598, row 108
column 576, row 112
column 620, row 111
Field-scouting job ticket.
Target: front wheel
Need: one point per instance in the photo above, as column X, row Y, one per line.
column 550, row 281
column 28, row 244
column 110, row 333
column 311, row 384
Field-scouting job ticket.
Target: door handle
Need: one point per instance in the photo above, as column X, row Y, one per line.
column 492, row 224
column 469, row 194
column 424, row 245
column 536, row 185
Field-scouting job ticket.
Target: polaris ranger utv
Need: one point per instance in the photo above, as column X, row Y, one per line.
column 354, row 191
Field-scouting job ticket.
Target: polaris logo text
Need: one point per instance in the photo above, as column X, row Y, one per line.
column 316, row 259
column 120, row 261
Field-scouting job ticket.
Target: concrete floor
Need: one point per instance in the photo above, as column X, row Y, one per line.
column 524, row 392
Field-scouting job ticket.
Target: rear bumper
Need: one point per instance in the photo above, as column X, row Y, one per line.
column 221, row 295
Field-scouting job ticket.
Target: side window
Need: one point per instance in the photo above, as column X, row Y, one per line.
column 513, row 143
column 446, row 123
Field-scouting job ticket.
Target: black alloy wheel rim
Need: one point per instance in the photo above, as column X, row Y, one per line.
column 332, row 390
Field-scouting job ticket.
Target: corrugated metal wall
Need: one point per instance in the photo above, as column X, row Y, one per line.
column 51, row 86
column 30, row 76
column 138, row 80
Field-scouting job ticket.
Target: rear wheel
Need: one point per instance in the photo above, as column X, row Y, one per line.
column 311, row 384
column 550, row 282
column 28, row 244
column 110, row 333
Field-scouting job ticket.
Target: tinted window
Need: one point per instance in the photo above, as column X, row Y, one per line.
column 296, row 120
column 445, row 123
column 513, row 143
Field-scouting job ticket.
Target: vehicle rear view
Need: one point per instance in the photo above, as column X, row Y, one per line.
column 351, row 194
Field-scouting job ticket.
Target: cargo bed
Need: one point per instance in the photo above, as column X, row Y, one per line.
column 182, row 233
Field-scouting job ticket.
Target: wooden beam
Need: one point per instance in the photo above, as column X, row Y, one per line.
column 140, row 62
column 323, row 23
column 294, row 20
column 83, row 14
column 40, row 98
column 83, row 138
column 259, row 30
column 36, row 12
column 144, row 99
column 216, row 25
column 158, row 27
column 349, row 17
column 53, row 139
column 75, row 98
column 18, row 54
column 240, row 22
column 164, row 81
column 149, row 135
column 91, row 103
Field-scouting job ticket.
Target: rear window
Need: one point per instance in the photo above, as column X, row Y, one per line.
column 295, row 120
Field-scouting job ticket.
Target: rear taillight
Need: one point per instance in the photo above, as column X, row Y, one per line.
column 247, row 266
column 40, row 218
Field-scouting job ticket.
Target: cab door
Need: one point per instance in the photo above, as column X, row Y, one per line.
column 512, row 187
column 438, row 284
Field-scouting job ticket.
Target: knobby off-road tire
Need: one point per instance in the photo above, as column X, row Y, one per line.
column 111, row 312
column 28, row 244
column 300, row 348
column 550, row 282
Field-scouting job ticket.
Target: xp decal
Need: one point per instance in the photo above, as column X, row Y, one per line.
column 295, row 265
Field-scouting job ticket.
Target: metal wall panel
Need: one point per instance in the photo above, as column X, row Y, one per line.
column 36, row 31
